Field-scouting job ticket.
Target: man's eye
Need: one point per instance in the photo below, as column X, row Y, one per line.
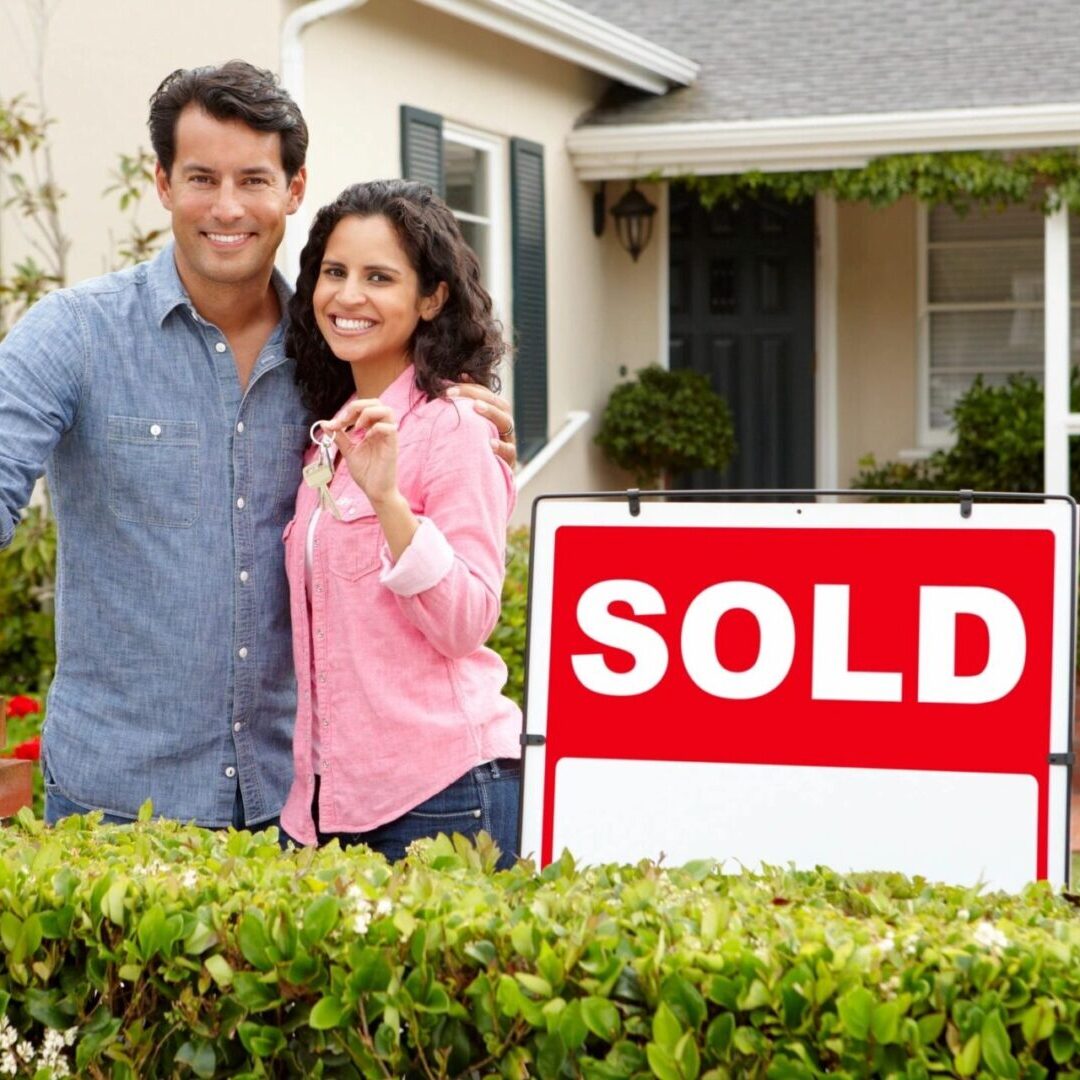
column 257, row 181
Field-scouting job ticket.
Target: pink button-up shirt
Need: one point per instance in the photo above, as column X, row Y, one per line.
column 409, row 697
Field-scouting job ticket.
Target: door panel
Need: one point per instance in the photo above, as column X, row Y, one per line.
column 742, row 312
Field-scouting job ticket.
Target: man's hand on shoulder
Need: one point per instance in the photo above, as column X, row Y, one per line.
column 497, row 410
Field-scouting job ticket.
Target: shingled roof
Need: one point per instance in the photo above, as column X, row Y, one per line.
column 795, row 58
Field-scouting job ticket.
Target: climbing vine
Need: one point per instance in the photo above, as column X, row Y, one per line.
column 1042, row 179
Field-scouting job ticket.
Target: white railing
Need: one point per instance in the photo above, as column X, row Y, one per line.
column 573, row 423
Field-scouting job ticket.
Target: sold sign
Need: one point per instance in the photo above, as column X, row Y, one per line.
column 866, row 686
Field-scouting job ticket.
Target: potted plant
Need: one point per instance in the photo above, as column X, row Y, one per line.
column 664, row 422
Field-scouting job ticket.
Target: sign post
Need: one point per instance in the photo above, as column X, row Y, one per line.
column 866, row 686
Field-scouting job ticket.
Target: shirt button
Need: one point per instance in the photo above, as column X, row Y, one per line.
column 319, row 634
column 240, row 504
column 326, row 723
column 237, row 726
column 155, row 430
column 322, row 677
column 240, row 426
column 242, row 652
column 244, row 575
column 221, row 346
column 230, row 772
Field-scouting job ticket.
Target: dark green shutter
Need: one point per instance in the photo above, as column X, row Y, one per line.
column 422, row 148
column 530, row 296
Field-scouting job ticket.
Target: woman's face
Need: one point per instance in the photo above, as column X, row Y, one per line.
column 367, row 300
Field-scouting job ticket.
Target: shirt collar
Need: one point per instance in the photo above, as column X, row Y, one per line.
column 168, row 292
column 402, row 395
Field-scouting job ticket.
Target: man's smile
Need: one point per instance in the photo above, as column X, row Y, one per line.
column 230, row 240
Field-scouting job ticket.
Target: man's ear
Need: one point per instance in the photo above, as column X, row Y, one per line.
column 161, row 185
column 430, row 306
column 297, row 187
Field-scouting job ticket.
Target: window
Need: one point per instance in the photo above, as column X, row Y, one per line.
column 981, row 305
column 495, row 187
column 474, row 170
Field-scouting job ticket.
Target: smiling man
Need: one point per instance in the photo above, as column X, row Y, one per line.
column 160, row 404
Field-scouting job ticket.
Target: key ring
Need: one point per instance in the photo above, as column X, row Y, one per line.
column 326, row 441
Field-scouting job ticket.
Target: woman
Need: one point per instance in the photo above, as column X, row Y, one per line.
column 395, row 578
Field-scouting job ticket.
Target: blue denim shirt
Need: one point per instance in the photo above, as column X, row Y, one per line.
column 171, row 486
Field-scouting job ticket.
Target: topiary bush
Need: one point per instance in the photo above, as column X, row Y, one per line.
column 999, row 445
column 664, row 422
column 163, row 950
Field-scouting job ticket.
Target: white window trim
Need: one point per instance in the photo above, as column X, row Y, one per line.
column 496, row 154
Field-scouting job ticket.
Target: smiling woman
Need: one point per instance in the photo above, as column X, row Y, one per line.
column 402, row 728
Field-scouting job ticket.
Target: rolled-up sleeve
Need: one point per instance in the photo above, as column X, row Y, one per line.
column 448, row 581
column 42, row 368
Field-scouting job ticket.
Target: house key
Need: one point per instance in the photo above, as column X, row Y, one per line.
column 320, row 472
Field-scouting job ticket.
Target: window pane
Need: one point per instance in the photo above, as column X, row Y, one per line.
column 476, row 236
column 946, row 390
column 1014, row 222
column 466, row 179
column 1005, row 273
column 986, row 340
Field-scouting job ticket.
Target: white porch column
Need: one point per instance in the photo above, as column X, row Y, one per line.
column 826, row 378
column 1059, row 423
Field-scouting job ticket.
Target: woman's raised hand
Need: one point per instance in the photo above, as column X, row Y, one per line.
column 372, row 458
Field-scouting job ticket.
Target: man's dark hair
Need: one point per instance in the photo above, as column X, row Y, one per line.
column 234, row 91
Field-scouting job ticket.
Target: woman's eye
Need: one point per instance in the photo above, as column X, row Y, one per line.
column 378, row 277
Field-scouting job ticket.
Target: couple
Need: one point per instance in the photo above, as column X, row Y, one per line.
column 170, row 407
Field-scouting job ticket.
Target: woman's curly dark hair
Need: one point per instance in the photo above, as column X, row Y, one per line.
column 463, row 339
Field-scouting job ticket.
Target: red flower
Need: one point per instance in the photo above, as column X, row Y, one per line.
column 29, row 750
column 22, row 706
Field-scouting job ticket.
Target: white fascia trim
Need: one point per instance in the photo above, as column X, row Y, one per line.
column 626, row 151
column 558, row 28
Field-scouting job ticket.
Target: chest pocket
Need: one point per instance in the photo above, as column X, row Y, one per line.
column 154, row 470
column 355, row 543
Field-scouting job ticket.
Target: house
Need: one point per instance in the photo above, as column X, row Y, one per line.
column 835, row 328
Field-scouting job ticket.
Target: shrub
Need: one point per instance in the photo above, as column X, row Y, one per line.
column 999, row 445
column 508, row 637
column 27, row 572
column 171, row 950
column 664, row 422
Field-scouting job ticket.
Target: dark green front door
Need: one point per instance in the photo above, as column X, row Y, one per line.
column 742, row 312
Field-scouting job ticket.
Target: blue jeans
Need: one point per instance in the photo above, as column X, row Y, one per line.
column 58, row 806
column 486, row 798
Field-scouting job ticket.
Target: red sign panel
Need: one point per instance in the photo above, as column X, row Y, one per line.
column 882, row 648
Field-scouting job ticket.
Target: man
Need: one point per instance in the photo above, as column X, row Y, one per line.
column 162, row 406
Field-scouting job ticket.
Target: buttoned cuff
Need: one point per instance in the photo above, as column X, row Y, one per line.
column 423, row 564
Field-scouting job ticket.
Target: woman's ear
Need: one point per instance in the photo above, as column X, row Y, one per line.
column 431, row 305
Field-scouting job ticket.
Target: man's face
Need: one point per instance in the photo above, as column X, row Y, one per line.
column 229, row 197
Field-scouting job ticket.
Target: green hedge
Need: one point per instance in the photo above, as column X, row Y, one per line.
column 164, row 950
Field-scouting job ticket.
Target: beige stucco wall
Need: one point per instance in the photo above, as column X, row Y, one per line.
column 103, row 59
column 363, row 65
column 876, row 332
